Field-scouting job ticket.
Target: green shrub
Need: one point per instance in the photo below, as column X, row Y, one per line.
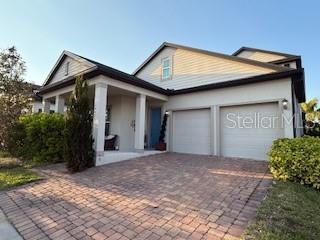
column 297, row 160
column 4, row 154
column 15, row 138
column 38, row 137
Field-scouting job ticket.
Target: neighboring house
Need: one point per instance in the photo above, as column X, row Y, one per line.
column 204, row 93
column 37, row 104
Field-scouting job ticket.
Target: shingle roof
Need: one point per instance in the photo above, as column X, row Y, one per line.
column 99, row 68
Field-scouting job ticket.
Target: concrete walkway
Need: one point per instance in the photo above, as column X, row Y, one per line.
column 7, row 230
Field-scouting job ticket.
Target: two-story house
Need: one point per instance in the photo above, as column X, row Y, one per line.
column 217, row 104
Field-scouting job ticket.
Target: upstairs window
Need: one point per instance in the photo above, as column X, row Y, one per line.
column 166, row 68
column 66, row 68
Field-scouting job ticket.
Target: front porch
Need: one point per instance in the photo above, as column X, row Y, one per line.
column 117, row 156
column 130, row 113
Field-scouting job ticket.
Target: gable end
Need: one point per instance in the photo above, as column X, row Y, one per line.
column 75, row 65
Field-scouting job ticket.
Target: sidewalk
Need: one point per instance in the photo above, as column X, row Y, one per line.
column 7, row 230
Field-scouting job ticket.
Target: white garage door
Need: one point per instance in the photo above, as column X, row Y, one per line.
column 247, row 131
column 191, row 131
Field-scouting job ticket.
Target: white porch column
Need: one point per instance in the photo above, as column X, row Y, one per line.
column 99, row 119
column 46, row 106
column 59, row 106
column 140, row 123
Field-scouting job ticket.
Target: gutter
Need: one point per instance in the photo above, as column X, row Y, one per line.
column 130, row 79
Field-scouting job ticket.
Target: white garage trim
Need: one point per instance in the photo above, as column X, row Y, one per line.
column 215, row 130
column 273, row 100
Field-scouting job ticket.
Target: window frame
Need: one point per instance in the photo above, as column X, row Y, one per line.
column 66, row 68
column 169, row 67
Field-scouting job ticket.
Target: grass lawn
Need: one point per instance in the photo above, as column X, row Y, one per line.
column 290, row 212
column 16, row 176
column 13, row 172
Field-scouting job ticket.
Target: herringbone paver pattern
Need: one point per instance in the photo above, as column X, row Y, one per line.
column 165, row 196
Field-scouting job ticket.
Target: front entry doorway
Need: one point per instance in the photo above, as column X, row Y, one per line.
column 155, row 125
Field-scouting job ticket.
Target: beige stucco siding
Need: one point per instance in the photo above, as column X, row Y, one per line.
column 192, row 69
column 276, row 89
column 270, row 91
column 75, row 67
column 260, row 56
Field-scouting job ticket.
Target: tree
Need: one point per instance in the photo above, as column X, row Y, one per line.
column 312, row 115
column 161, row 145
column 78, row 143
column 14, row 91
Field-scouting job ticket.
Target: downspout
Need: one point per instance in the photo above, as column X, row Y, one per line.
column 293, row 108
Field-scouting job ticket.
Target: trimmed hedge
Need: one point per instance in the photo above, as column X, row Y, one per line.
column 39, row 137
column 296, row 159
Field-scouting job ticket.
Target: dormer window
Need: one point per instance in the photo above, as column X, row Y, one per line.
column 66, row 68
column 166, row 68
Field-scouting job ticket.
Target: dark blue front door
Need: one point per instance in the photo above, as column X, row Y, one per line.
column 155, row 126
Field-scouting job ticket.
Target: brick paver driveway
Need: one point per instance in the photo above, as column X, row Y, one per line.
column 165, row 196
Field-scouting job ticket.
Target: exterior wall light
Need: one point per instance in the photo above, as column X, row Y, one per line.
column 167, row 113
column 285, row 104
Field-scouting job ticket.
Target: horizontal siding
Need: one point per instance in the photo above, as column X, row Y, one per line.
column 193, row 69
column 75, row 67
column 260, row 56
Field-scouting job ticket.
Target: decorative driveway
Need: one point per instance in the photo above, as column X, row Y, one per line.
column 164, row 196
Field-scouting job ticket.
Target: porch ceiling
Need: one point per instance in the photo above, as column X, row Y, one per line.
column 113, row 91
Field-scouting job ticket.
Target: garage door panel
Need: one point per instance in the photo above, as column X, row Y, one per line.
column 191, row 131
column 253, row 140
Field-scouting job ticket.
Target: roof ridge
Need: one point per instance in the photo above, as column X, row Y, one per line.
column 103, row 67
column 264, row 51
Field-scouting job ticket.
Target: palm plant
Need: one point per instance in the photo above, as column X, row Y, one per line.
column 311, row 110
column 312, row 115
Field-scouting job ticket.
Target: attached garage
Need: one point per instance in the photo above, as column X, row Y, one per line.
column 243, row 131
column 242, row 137
column 191, row 131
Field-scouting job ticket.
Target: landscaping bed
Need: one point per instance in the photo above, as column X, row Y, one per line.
column 13, row 172
column 290, row 212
